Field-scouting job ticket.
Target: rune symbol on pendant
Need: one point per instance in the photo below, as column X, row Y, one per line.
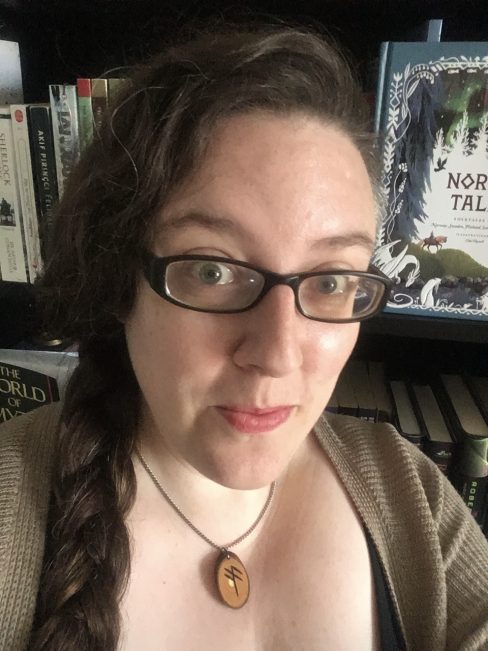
column 233, row 574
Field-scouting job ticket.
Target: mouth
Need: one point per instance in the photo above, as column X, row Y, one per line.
column 250, row 420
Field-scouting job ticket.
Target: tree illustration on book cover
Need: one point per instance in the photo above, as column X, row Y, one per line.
column 434, row 237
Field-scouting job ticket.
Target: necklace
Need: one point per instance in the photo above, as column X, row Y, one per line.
column 231, row 576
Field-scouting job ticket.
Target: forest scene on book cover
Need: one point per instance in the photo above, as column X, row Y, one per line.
column 434, row 237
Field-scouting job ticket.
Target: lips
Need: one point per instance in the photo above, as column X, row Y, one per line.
column 255, row 421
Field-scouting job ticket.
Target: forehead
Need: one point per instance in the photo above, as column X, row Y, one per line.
column 285, row 175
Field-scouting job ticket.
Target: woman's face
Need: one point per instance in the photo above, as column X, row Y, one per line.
column 287, row 193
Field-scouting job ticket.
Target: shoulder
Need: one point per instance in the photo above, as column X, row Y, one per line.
column 27, row 445
column 383, row 460
column 409, row 507
column 36, row 428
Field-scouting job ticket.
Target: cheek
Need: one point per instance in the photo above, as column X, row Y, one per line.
column 333, row 348
column 169, row 344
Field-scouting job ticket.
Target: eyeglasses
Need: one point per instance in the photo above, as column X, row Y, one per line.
column 220, row 285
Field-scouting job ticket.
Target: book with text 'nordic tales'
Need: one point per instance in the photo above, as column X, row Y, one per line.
column 432, row 115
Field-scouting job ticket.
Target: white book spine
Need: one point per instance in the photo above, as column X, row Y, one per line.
column 13, row 254
column 20, row 131
column 64, row 115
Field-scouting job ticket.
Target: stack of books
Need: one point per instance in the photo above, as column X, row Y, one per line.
column 446, row 416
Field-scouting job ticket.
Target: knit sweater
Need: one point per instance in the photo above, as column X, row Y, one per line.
column 434, row 555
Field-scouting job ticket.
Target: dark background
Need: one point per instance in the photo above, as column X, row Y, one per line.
column 62, row 40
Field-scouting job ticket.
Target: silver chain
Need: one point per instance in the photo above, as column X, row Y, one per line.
column 192, row 526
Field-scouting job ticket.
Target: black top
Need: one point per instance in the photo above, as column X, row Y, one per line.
column 391, row 638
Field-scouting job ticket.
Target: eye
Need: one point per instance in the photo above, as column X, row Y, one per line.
column 332, row 284
column 212, row 273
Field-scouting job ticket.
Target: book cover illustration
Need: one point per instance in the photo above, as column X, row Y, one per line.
column 434, row 237
column 30, row 379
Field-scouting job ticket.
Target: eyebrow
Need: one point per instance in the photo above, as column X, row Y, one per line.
column 225, row 225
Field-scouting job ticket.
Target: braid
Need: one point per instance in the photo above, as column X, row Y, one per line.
column 87, row 560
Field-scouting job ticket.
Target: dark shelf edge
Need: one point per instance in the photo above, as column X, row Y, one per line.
column 462, row 330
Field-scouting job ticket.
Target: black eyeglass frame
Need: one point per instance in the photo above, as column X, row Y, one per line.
column 154, row 270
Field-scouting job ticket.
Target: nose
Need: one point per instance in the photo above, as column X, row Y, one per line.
column 272, row 335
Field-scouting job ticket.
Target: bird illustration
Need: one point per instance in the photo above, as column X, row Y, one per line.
column 441, row 164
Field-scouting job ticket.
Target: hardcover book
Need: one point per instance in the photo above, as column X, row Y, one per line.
column 478, row 385
column 432, row 113
column 439, row 444
column 471, row 430
column 359, row 378
column 99, row 100
column 30, row 379
column 405, row 418
column 65, row 124
column 347, row 402
column 13, row 252
column 377, row 380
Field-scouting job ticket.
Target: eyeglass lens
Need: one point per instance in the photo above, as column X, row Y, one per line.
column 223, row 286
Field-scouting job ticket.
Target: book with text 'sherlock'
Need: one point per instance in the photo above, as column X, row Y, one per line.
column 23, row 160
column 432, row 115
column 13, row 251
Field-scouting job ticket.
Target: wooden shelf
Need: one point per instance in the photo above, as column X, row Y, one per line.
column 460, row 330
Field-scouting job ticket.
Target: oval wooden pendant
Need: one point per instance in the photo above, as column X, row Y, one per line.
column 232, row 580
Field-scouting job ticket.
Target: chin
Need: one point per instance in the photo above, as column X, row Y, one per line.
column 244, row 474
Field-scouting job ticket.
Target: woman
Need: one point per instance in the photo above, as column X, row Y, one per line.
column 212, row 255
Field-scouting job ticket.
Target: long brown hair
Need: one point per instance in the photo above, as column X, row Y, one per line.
column 155, row 135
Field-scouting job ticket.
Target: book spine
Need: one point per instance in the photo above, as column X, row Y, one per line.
column 13, row 253
column 472, row 475
column 20, row 132
column 65, row 124
column 85, row 113
column 99, row 102
column 380, row 88
column 438, row 445
column 115, row 87
column 44, row 168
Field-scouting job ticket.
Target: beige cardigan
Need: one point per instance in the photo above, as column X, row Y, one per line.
column 433, row 553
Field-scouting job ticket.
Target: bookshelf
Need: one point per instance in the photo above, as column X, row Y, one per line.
column 61, row 40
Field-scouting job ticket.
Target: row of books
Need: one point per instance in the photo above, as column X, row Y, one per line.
column 445, row 415
column 432, row 114
column 39, row 146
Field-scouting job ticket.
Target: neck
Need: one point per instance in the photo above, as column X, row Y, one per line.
column 221, row 513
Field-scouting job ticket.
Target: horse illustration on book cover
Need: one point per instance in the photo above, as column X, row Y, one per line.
column 434, row 236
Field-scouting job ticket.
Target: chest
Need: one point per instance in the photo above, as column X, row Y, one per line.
column 310, row 585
